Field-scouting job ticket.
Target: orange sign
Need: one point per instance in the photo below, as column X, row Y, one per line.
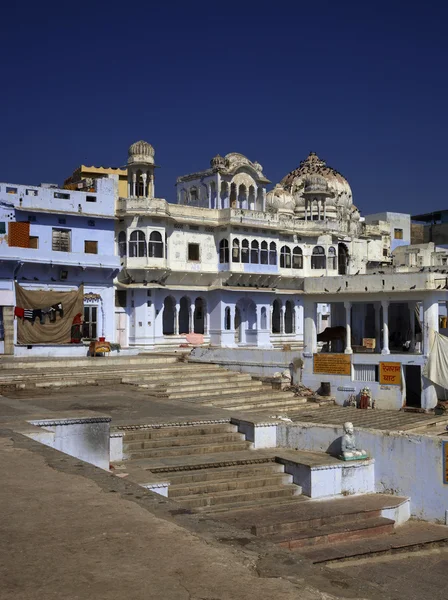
column 333, row 364
column 369, row 342
column 390, row 373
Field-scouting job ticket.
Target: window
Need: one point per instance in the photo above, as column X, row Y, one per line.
column 318, row 258
column 193, row 195
column 223, row 251
column 155, row 245
column 193, row 252
column 89, row 327
column 297, row 258
column 90, row 247
column 19, row 234
column 227, row 318
column 90, row 198
column 120, row 298
column 236, row 251
column 61, row 240
column 385, row 252
column 245, row 251
column 264, row 253
column 193, row 227
column 365, row 372
column 285, row 257
column 2, row 227
column 34, row 242
column 61, row 196
column 398, row 234
column 254, row 253
column 272, row 253
column 11, row 190
column 31, row 192
column 137, row 244
column 332, row 258
column 122, row 244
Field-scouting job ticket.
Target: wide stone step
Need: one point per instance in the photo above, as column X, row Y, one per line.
column 247, row 507
column 221, row 473
column 220, row 498
column 241, row 483
column 188, row 450
column 211, row 391
column 273, row 402
column 328, row 534
column 182, row 380
column 85, row 362
column 211, row 385
column 181, row 431
column 214, row 438
column 410, row 536
column 250, row 397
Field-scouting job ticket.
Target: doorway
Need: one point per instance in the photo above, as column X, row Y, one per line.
column 413, row 380
column 342, row 259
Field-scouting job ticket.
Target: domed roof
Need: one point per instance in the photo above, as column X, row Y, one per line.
column 279, row 200
column 141, row 152
column 311, row 173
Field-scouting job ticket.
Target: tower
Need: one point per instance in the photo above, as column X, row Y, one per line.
column 141, row 170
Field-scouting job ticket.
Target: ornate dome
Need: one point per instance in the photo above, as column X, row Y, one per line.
column 311, row 173
column 279, row 200
column 141, row 152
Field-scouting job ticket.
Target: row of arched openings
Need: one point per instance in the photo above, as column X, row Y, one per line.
column 289, row 318
column 137, row 247
column 191, row 317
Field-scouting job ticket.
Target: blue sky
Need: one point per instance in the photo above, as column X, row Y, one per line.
column 362, row 84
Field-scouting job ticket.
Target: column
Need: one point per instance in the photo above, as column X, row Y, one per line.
column 385, row 307
column 282, row 319
column 311, row 210
column 377, row 307
column 176, row 319
column 306, row 210
column 256, row 207
column 271, row 311
column 348, row 328
column 430, row 322
column 264, row 199
column 318, row 210
column 134, row 179
column 325, row 210
column 218, row 191
column 232, row 317
column 129, row 189
column 310, row 333
column 145, row 190
column 191, row 323
column 209, row 188
column 411, row 306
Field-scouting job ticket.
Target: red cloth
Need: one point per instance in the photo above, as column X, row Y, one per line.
column 77, row 319
column 19, row 312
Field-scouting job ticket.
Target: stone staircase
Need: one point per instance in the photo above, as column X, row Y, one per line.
column 162, row 375
column 207, row 466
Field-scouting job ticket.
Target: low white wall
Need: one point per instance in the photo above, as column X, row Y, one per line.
column 83, row 438
column 405, row 464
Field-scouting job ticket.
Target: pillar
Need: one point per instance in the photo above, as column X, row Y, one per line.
column 209, row 188
column 176, row 319
column 377, row 307
column 306, row 210
column 264, row 199
column 430, row 322
column 325, row 210
column 134, row 179
column 348, row 328
column 310, row 334
column 411, row 306
column 282, row 319
column 129, row 189
column 385, row 307
column 218, row 191
column 191, row 324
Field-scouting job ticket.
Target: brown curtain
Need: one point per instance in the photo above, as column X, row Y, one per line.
column 58, row 332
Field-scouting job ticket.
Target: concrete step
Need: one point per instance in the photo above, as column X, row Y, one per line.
column 229, row 484
column 212, row 386
column 220, row 498
column 185, row 379
column 188, row 450
column 171, row 432
column 268, row 403
column 331, row 533
column 211, row 391
column 87, row 361
column 245, row 508
column 180, row 440
column 405, row 538
column 221, row 473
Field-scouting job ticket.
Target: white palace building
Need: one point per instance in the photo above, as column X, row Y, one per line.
column 229, row 260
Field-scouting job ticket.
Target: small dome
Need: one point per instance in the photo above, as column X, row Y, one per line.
column 279, row 200
column 316, row 184
column 141, row 152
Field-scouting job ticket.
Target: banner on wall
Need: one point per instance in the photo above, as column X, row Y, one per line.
column 35, row 327
column 332, row 364
column 390, row 373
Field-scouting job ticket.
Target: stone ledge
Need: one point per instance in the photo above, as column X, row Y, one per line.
column 172, row 424
column 69, row 421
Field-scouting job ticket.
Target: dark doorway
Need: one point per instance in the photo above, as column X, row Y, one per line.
column 413, row 381
column 342, row 259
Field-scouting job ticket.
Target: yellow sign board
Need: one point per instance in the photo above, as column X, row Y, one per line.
column 333, row 364
column 390, row 373
column 369, row 342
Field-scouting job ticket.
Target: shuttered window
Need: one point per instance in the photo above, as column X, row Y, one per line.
column 365, row 372
column 90, row 247
column 61, row 240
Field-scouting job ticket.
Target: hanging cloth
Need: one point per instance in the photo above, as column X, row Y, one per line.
column 436, row 369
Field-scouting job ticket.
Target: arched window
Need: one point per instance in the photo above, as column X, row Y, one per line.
column 297, row 258
column 254, row 252
column 318, row 258
column 289, row 317
column 140, row 185
column 137, row 244
column 272, row 253
column 264, row 253
column 285, row 257
column 155, row 245
column 122, row 249
column 227, row 318
column 244, row 251
column 236, row 251
column 263, row 318
column 332, row 264
column 194, row 196
column 224, row 251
